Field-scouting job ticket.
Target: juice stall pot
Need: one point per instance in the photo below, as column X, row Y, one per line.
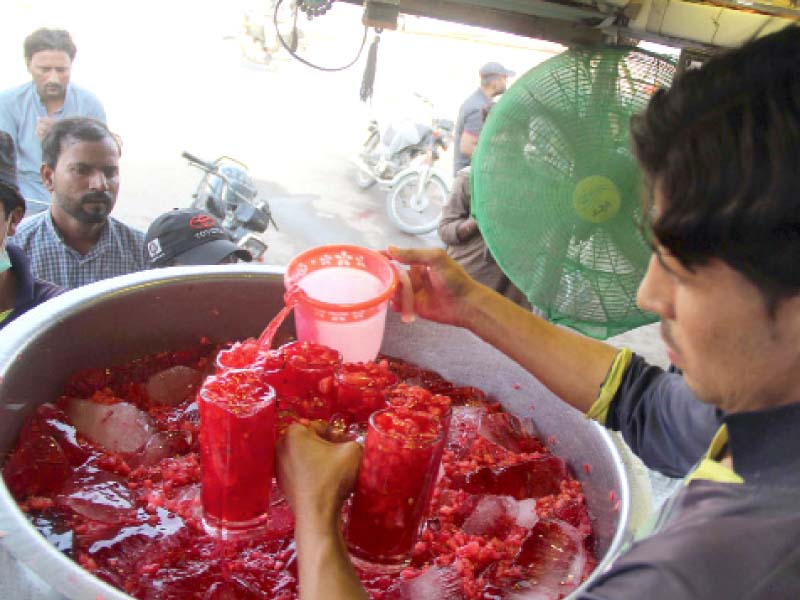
column 118, row 319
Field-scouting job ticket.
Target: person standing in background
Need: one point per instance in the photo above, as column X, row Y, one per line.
column 465, row 244
column 28, row 111
column 494, row 80
column 77, row 241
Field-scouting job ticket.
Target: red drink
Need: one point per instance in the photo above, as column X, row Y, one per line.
column 305, row 385
column 361, row 389
column 401, row 459
column 240, row 355
column 249, row 354
column 237, row 445
column 419, row 399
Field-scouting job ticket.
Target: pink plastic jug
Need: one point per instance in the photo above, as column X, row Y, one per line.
column 341, row 293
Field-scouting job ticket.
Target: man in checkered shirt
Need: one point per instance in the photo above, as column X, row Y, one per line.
column 76, row 241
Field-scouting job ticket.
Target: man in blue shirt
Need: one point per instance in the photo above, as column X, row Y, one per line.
column 76, row 241
column 28, row 111
column 494, row 79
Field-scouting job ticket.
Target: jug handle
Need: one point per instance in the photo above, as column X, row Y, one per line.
column 407, row 314
column 294, row 295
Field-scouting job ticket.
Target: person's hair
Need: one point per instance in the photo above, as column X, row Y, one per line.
column 10, row 199
column 49, row 39
column 487, row 79
column 722, row 149
column 81, row 129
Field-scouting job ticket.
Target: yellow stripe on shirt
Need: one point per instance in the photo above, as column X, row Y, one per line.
column 710, row 468
column 599, row 410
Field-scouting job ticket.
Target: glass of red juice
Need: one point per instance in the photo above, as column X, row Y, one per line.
column 398, row 469
column 361, row 389
column 419, row 399
column 237, row 448
column 305, row 384
column 239, row 355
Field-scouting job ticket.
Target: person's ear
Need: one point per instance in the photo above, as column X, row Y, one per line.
column 15, row 217
column 48, row 175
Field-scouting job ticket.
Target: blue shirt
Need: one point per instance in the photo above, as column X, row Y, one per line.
column 119, row 251
column 469, row 120
column 20, row 108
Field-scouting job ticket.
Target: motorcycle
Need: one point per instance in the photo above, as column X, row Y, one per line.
column 401, row 160
column 227, row 191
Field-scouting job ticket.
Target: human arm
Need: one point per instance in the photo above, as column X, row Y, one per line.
column 316, row 476
column 572, row 366
column 456, row 225
column 473, row 123
column 468, row 143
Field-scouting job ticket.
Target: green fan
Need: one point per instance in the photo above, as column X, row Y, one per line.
column 556, row 189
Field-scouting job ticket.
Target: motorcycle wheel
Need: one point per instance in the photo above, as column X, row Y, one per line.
column 365, row 179
column 403, row 214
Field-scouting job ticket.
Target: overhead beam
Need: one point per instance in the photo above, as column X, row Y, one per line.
column 551, row 29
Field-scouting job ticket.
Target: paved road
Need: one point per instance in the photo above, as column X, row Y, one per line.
column 171, row 81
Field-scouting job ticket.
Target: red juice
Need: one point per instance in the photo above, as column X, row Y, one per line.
column 239, row 355
column 419, row 399
column 399, row 467
column 237, row 445
column 305, row 385
column 361, row 389
column 162, row 550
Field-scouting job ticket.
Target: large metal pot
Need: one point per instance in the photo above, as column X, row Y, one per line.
column 116, row 320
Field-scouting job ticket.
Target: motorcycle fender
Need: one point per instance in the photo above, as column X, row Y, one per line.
column 418, row 169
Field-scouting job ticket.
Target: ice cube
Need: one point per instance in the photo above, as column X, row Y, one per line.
column 141, row 543
column 526, row 513
column 493, row 517
column 161, row 445
column 172, row 386
column 531, row 478
column 51, row 420
column 98, row 495
column 437, row 583
column 464, row 428
column 119, row 427
column 187, row 502
column 553, row 558
column 510, row 432
column 37, row 466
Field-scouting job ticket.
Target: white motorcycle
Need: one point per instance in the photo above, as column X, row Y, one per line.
column 401, row 160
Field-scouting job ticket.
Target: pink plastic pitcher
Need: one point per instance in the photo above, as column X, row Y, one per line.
column 341, row 293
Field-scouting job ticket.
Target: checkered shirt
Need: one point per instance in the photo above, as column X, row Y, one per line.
column 120, row 250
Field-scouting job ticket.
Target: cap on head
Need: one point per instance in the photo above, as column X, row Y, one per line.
column 8, row 170
column 190, row 237
column 495, row 69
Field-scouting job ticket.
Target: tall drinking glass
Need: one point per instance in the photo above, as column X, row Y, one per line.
column 398, row 469
column 237, row 447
